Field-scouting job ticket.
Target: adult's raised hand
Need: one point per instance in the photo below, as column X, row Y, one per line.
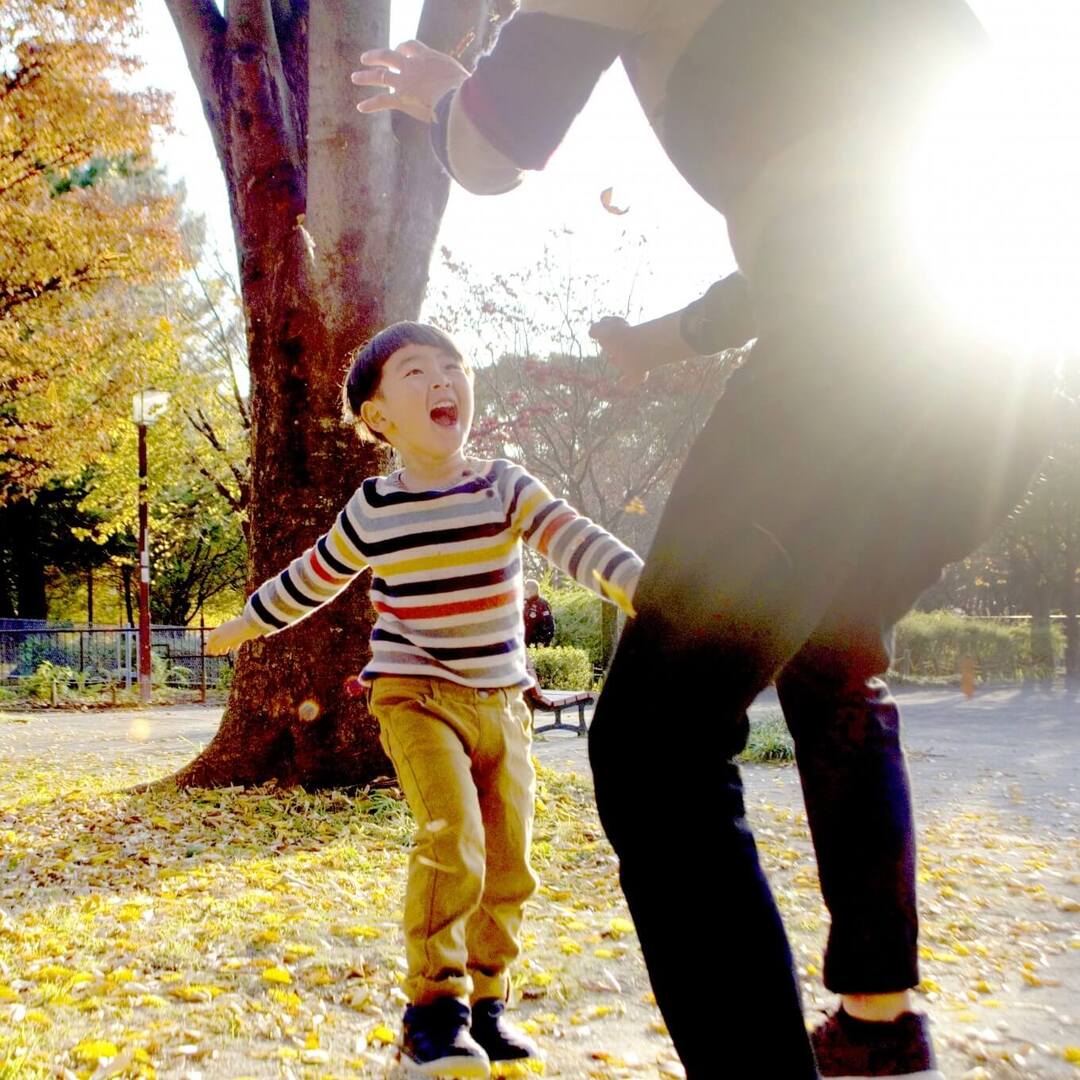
column 412, row 79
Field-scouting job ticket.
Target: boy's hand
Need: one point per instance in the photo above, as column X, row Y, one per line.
column 229, row 636
column 622, row 347
column 412, row 77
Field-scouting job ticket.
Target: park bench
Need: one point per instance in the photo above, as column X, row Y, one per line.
column 556, row 701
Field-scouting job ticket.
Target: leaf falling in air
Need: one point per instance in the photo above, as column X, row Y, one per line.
column 606, row 203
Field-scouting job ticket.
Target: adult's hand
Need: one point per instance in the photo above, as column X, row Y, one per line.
column 412, row 77
column 622, row 346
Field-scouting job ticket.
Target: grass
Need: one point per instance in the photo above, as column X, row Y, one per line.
column 769, row 740
column 257, row 933
column 239, row 934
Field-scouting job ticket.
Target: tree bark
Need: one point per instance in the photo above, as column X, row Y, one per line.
column 335, row 216
column 1042, row 643
column 31, row 600
column 1069, row 605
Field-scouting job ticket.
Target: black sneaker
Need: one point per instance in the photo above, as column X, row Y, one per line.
column 501, row 1039
column 435, row 1041
column 851, row 1049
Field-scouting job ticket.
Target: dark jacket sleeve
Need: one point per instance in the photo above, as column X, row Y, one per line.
column 524, row 94
column 721, row 319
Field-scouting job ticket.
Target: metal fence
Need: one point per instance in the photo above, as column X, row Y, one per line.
column 108, row 656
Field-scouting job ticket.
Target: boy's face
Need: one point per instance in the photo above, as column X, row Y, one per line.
column 424, row 402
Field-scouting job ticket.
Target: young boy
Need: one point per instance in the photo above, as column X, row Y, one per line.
column 443, row 536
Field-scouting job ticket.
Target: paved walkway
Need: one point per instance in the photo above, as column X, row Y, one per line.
column 979, row 748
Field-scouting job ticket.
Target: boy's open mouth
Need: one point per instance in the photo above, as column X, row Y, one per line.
column 445, row 415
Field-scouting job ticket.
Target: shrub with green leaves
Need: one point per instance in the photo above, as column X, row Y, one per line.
column 39, row 685
column 562, row 667
column 577, row 616
column 933, row 644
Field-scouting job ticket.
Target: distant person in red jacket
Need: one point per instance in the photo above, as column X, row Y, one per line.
column 539, row 622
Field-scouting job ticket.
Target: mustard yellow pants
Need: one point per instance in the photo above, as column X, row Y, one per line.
column 463, row 761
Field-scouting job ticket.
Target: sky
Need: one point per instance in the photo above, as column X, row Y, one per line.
column 610, row 146
column 1037, row 42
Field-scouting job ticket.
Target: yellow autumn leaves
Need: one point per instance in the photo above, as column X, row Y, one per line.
column 242, row 934
column 84, row 224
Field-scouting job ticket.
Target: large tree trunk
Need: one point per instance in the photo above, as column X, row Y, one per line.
column 335, row 216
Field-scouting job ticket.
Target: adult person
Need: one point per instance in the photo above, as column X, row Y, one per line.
column 536, row 613
column 864, row 443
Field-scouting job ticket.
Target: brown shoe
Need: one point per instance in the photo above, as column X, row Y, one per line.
column 851, row 1049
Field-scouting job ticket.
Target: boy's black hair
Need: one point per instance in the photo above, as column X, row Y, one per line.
column 367, row 361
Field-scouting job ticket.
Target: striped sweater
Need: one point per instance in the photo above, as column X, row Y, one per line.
column 447, row 581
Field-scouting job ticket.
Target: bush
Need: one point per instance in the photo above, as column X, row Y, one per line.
column 224, row 678
column 562, row 667
column 40, row 684
column 932, row 644
column 37, row 650
column 163, row 672
column 577, row 617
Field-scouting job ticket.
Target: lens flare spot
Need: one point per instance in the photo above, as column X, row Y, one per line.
column 140, row 728
column 308, row 711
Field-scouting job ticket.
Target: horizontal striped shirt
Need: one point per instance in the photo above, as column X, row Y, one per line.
column 447, row 584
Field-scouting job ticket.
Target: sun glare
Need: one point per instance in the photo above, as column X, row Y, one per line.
column 996, row 201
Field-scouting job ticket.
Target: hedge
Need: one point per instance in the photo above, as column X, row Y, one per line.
column 577, row 617
column 932, row 644
column 929, row 645
column 562, row 667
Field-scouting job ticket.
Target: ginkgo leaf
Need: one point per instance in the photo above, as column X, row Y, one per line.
column 606, row 203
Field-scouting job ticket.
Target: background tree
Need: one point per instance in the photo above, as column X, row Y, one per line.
column 198, row 448
column 81, row 226
column 334, row 219
column 44, row 540
column 1031, row 565
column 77, row 225
column 551, row 402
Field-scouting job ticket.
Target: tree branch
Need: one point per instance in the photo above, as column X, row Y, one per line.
column 202, row 33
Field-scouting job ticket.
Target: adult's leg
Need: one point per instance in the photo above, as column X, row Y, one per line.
column 846, row 730
column 758, row 536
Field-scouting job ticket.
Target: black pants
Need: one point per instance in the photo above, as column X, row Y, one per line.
column 861, row 447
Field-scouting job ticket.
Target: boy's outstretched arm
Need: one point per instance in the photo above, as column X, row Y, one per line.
column 308, row 582
column 230, row 635
column 577, row 546
column 721, row 319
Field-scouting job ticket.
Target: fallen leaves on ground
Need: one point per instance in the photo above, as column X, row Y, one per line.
column 256, row 933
